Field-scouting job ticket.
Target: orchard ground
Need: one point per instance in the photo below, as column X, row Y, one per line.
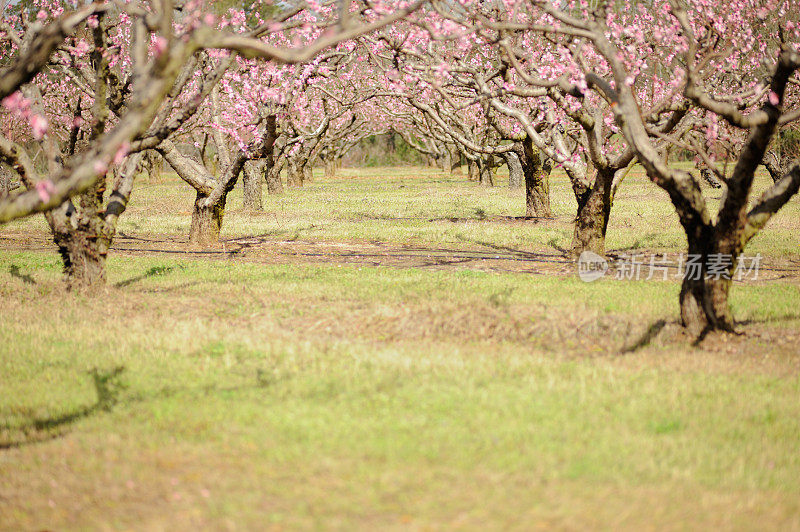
column 392, row 348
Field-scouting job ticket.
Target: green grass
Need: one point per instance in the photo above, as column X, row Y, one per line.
column 218, row 394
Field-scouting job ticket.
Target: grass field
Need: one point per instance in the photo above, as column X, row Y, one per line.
column 336, row 390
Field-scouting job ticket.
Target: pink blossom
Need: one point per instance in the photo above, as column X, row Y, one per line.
column 121, row 153
column 712, row 131
column 81, row 48
column 39, row 125
column 159, row 45
column 100, row 167
column 237, row 17
column 92, row 22
column 16, row 103
column 774, row 99
column 41, row 15
column 45, row 189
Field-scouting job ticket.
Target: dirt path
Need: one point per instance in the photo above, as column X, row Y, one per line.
column 268, row 250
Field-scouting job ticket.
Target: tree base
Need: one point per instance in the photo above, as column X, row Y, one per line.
column 206, row 223
column 83, row 260
column 704, row 306
column 251, row 183
column 591, row 221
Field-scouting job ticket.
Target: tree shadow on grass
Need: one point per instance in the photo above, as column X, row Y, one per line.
column 639, row 243
column 24, row 277
column 645, row 339
column 107, row 384
column 109, row 387
column 152, row 272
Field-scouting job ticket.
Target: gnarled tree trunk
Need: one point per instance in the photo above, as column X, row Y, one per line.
column 272, row 174
column 84, row 234
column 77, row 227
column 455, row 162
column 445, row 161
column 537, row 181
column 515, row 176
column 271, row 169
column 83, row 257
column 594, row 209
column 251, row 183
column 704, row 294
column 5, row 181
column 537, row 194
column 330, row 168
column 206, row 221
column 472, row 170
column 153, row 164
column 294, row 173
column 485, row 174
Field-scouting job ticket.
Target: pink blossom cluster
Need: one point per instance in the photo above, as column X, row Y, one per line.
column 21, row 107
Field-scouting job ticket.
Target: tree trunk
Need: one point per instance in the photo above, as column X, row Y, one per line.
column 5, row 181
column 152, row 164
column 271, row 171
column 445, row 161
column 537, row 181
column 272, row 175
column 594, row 209
column 206, row 222
column 455, row 167
column 83, row 258
column 307, row 173
column 330, row 168
column 537, row 194
column 704, row 294
column 515, row 176
column 82, row 238
column 455, row 162
column 294, row 174
column 472, row 170
column 83, row 230
column 251, row 182
column 485, row 173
